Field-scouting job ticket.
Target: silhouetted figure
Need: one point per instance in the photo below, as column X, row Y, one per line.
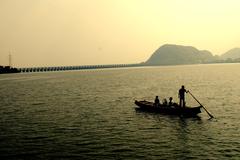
column 170, row 101
column 181, row 96
column 165, row 102
column 157, row 101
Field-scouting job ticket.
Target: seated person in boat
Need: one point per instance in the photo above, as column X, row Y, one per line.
column 165, row 103
column 170, row 101
column 156, row 102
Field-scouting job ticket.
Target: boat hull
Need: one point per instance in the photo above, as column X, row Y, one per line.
column 168, row 109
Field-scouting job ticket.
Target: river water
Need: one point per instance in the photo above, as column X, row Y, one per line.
column 90, row 114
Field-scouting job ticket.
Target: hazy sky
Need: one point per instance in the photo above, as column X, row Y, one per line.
column 80, row 32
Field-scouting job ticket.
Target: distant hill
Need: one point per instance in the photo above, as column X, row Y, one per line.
column 170, row 54
column 232, row 54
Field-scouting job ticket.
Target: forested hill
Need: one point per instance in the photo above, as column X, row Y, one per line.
column 170, row 54
column 232, row 54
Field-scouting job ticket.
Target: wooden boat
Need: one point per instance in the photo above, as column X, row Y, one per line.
column 173, row 109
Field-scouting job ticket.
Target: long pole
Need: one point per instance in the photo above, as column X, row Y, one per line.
column 201, row 104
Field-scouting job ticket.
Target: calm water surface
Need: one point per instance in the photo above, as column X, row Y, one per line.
column 90, row 114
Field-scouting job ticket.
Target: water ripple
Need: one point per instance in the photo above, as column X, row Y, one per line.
column 91, row 115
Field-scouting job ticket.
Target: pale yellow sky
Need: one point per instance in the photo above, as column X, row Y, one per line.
column 80, row 32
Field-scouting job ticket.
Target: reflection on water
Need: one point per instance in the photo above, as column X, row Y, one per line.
column 91, row 114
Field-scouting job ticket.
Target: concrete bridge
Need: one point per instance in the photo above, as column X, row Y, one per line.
column 65, row 68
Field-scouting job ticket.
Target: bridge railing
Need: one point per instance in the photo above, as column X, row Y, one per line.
column 64, row 68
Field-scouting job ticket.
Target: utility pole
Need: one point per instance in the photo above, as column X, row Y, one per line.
column 10, row 59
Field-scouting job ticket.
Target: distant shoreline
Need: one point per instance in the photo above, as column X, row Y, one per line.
column 7, row 69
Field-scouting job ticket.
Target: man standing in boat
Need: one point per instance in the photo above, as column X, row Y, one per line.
column 157, row 102
column 181, row 96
